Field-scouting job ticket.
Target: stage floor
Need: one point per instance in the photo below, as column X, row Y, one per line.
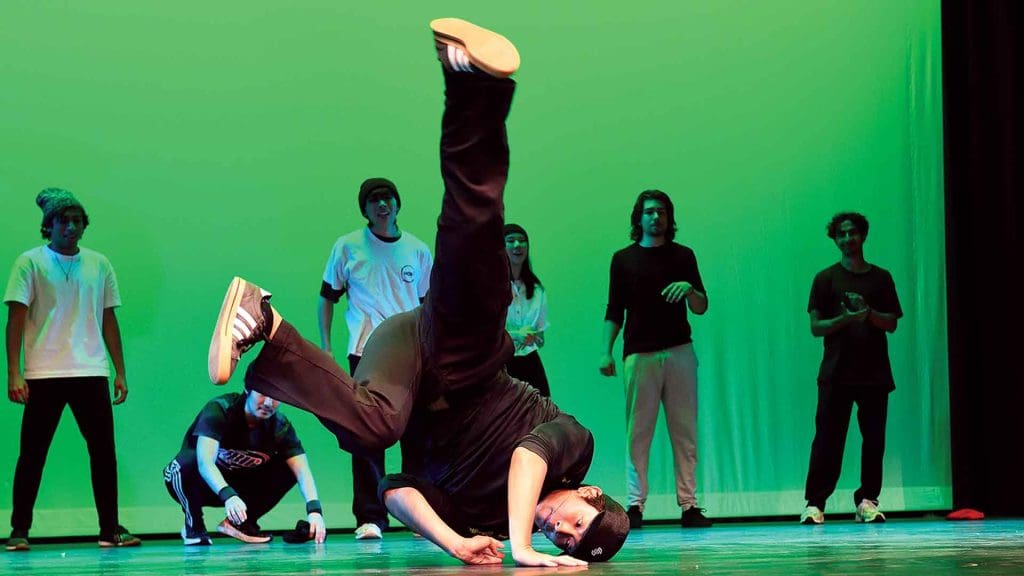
column 931, row 547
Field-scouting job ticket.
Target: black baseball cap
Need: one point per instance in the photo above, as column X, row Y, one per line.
column 607, row 533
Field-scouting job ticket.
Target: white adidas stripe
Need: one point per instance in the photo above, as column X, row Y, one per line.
column 172, row 474
column 247, row 317
column 458, row 59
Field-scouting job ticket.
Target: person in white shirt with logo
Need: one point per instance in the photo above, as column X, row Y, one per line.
column 384, row 271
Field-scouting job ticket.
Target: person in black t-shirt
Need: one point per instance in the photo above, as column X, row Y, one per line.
column 653, row 283
column 492, row 457
column 853, row 305
column 242, row 453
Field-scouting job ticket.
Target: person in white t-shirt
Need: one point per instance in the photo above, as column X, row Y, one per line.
column 527, row 314
column 60, row 309
column 384, row 271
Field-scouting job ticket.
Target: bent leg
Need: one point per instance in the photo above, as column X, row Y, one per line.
column 366, row 413
column 188, row 489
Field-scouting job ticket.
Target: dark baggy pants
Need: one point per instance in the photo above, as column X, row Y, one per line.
column 832, row 421
column 260, row 488
column 366, row 475
column 455, row 343
column 89, row 399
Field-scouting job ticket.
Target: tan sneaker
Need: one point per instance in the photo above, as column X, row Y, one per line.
column 248, row 532
column 240, row 325
column 487, row 51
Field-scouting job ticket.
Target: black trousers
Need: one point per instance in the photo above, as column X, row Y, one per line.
column 89, row 399
column 260, row 488
column 455, row 343
column 832, row 421
column 530, row 369
column 366, row 474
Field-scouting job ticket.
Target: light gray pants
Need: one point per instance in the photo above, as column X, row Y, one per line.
column 666, row 377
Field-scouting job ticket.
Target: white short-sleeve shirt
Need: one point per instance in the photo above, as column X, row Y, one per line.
column 66, row 297
column 381, row 278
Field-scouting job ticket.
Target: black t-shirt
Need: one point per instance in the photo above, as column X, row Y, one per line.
column 638, row 276
column 857, row 354
column 466, row 456
column 241, row 447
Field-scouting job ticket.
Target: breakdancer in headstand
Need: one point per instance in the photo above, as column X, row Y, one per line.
column 494, row 459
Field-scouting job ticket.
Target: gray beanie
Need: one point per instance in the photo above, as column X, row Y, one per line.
column 54, row 201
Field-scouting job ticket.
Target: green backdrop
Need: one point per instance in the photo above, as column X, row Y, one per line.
column 208, row 139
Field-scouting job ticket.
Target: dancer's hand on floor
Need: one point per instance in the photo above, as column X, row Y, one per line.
column 530, row 557
column 479, row 550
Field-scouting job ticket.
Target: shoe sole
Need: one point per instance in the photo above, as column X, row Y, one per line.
column 487, row 50
column 128, row 544
column 811, row 522
column 18, row 548
column 876, row 520
column 196, row 541
column 229, row 530
column 220, row 346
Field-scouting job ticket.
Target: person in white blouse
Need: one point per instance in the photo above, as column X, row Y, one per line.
column 527, row 314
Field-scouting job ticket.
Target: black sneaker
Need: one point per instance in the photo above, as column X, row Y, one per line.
column 241, row 324
column 473, row 48
column 636, row 517
column 120, row 538
column 248, row 532
column 195, row 537
column 693, row 517
column 18, row 542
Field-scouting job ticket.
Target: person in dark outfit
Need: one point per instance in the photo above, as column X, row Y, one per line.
column 853, row 305
column 493, row 453
column 654, row 281
column 240, row 452
column 61, row 299
column 527, row 314
column 384, row 270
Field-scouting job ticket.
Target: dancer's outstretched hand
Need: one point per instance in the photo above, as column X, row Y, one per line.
column 530, row 557
column 479, row 550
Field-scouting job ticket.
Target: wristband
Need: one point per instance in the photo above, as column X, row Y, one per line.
column 226, row 493
column 314, row 506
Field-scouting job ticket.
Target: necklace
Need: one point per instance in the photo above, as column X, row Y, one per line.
column 66, row 271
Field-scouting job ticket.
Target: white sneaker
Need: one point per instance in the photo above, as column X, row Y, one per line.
column 812, row 515
column 369, row 531
column 867, row 512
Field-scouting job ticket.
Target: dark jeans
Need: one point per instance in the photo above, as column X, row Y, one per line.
column 455, row 344
column 835, row 403
column 260, row 488
column 89, row 399
column 366, row 474
column 530, row 369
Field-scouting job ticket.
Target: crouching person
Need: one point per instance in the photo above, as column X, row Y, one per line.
column 242, row 454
